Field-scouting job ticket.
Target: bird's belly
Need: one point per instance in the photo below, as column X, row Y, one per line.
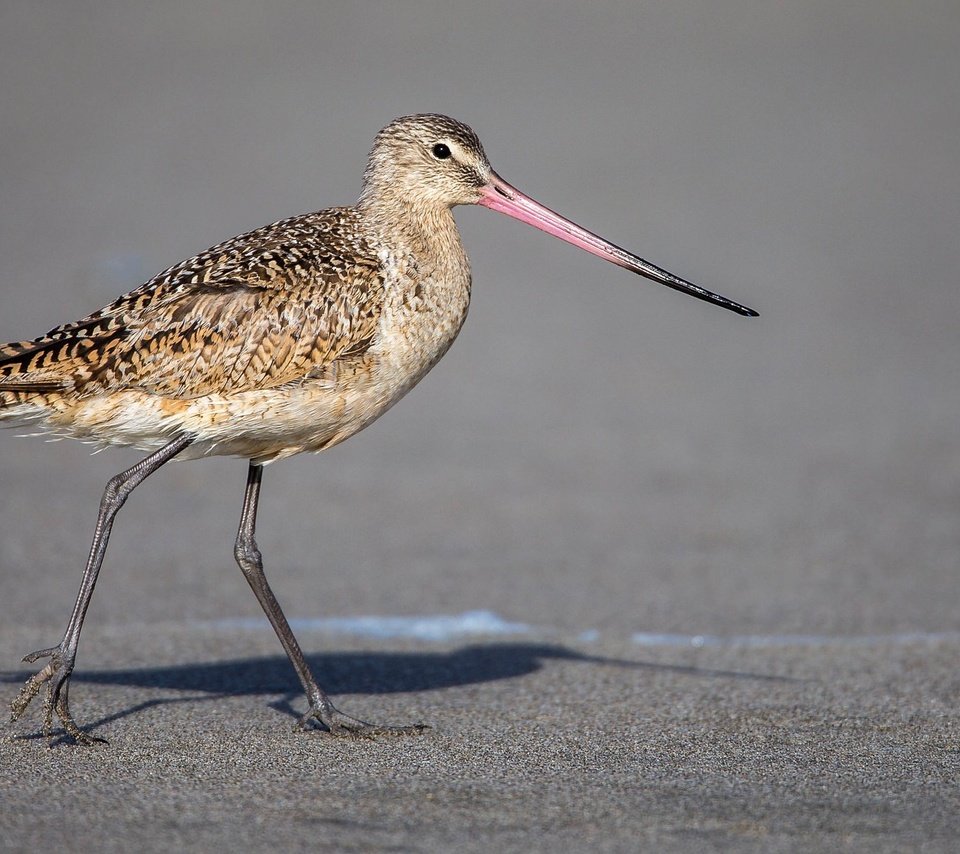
column 265, row 424
column 351, row 394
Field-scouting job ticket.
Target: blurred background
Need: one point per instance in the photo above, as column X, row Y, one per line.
column 596, row 453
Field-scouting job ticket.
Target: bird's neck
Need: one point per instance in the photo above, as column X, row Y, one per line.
column 426, row 282
column 422, row 230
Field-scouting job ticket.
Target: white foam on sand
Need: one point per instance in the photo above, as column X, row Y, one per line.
column 438, row 628
column 430, row 627
column 755, row 641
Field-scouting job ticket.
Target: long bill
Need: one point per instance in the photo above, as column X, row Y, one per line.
column 500, row 196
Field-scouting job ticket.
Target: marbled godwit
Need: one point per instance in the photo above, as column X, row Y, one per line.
column 289, row 338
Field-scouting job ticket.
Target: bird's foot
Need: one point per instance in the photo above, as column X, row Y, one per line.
column 56, row 677
column 336, row 723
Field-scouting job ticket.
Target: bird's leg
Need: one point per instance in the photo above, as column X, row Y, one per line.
column 56, row 674
column 250, row 560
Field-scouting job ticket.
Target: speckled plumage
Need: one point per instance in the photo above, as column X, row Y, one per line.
column 288, row 338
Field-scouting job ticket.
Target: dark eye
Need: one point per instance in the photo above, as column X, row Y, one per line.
column 441, row 151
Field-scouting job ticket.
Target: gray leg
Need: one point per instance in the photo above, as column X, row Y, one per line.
column 251, row 563
column 56, row 674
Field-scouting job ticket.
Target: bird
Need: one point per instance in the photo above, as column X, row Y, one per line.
column 285, row 339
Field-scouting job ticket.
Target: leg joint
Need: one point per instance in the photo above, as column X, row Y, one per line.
column 117, row 490
column 246, row 552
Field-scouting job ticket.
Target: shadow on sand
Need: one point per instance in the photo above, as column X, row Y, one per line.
column 355, row 673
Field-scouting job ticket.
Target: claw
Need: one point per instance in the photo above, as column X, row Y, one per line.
column 31, row 657
column 341, row 725
column 55, row 675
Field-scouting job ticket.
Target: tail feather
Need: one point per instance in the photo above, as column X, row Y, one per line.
column 23, row 379
column 34, row 387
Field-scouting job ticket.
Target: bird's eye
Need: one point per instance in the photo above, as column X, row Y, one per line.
column 441, row 151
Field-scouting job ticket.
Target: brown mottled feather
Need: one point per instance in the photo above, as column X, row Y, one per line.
column 264, row 309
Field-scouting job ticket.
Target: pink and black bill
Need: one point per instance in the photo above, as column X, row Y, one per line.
column 500, row 196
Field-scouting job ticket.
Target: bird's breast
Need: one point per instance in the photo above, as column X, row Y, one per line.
column 425, row 305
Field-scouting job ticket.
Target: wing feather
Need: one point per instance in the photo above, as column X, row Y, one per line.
column 268, row 308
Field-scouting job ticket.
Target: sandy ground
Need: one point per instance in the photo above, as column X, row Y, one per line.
column 728, row 548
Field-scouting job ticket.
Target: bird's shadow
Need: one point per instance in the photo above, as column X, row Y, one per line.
column 356, row 673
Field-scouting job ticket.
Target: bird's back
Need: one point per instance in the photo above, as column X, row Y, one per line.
column 267, row 309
